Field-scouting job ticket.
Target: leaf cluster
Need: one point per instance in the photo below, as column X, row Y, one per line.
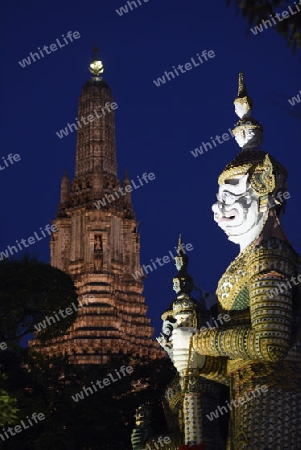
column 255, row 11
column 103, row 420
column 29, row 291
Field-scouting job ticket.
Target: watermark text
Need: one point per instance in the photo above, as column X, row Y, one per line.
column 239, row 401
column 279, row 16
column 166, row 259
column 31, row 240
column 183, row 68
column 294, row 100
column 121, row 373
column 108, row 198
column 124, row 9
column 11, row 158
column 220, row 139
column 24, row 425
column 53, row 48
column 86, row 120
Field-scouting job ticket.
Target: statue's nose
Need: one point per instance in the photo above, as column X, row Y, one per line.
column 217, row 207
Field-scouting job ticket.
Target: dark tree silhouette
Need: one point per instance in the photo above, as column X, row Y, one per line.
column 254, row 11
column 29, row 291
column 33, row 383
column 101, row 420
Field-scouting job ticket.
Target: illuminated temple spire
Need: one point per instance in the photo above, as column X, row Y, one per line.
column 97, row 242
column 96, row 145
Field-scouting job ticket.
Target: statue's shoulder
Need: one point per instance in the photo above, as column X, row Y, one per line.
column 267, row 256
column 272, row 254
column 273, row 246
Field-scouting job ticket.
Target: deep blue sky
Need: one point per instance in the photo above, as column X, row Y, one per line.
column 156, row 127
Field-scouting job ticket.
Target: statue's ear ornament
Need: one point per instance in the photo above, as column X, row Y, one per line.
column 263, row 179
column 248, row 198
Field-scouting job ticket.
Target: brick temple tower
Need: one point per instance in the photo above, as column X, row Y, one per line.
column 99, row 245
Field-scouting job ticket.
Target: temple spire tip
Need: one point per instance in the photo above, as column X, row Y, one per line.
column 96, row 66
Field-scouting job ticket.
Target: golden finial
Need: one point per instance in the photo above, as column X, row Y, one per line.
column 181, row 260
column 180, row 244
column 96, row 66
column 243, row 103
column 242, row 89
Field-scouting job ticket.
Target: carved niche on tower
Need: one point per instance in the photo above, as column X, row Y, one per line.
column 98, row 253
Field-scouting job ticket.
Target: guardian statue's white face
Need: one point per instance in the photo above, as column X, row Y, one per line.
column 237, row 211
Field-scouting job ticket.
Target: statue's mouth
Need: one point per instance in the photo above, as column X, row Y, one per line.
column 228, row 216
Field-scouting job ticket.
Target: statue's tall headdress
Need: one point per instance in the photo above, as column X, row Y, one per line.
column 266, row 175
column 183, row 286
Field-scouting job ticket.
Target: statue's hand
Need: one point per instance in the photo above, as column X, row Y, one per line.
column 181, row 338
column 139, row 437
column 197, row 361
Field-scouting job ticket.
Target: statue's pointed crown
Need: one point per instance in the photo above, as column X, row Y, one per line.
column 266, row 174
column 242, row 94
column 183, row 302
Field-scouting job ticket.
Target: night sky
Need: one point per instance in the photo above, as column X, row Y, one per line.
column 156, row 127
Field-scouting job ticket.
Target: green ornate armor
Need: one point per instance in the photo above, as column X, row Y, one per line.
column 260, row 344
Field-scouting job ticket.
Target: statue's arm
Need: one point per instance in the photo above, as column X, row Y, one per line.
column 215, row 369
column 268, row 336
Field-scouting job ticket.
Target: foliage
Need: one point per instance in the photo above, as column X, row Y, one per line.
column 33, row 383
column 8, row 410
column 103, row 420
column 29, row 291
column 254, row 11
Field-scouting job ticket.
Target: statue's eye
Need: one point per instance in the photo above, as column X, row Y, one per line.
column 228, row 197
